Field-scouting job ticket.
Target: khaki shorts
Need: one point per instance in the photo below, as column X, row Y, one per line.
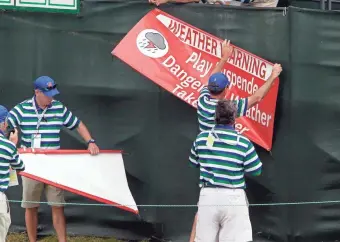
column 33, row 189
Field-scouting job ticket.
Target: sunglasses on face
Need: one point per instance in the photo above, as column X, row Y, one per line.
column 49, row 88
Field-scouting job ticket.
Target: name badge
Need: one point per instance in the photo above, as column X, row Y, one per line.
column 210, row 140
column 13, row 178
column 36, row 141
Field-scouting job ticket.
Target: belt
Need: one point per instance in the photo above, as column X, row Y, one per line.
column 209, row 185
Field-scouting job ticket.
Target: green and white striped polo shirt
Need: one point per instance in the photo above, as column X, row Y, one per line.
column 206, row 109
column 224, row 162
column 56, row 116
column 9, row 157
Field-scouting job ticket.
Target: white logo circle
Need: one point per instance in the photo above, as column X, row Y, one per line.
column 152, row 43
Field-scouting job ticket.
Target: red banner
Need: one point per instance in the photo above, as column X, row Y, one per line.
column 180, row 58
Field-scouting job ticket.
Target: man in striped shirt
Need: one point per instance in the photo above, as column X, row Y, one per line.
column 40, row 120
column 217, row 88
column 9, row 159
column 223, row 157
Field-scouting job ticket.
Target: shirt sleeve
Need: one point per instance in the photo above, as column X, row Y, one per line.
column 252, row 163
column 16, row 162
column 242, row 107
column 70, row 120
column 193, row 158
column 204, row 103
column 14, row 117
column 204, row 94
column 204, row 91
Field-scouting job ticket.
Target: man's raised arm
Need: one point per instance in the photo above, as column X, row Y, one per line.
column 263, row 90
column 227, row 51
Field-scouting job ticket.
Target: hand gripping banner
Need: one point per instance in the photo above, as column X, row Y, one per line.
column 101, row 177
column 180, row 58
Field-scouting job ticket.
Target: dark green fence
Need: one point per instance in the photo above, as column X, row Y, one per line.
column 126, row 111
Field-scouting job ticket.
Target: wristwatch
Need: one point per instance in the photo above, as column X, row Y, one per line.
column 91, row 141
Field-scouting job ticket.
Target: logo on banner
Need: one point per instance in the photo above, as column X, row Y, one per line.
column 152, row 43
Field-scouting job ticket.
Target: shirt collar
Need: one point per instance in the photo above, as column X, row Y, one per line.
column 2, row 133
column 225, row 126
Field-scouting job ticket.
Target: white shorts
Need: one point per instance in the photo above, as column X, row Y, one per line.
column 227, row 223
column 5, row 217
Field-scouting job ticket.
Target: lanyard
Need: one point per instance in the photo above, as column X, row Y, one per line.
column 229, row 142
column 40, row 117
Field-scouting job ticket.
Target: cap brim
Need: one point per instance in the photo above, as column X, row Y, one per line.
column 51, row 93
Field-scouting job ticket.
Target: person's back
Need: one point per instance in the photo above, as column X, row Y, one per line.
column 223, row 157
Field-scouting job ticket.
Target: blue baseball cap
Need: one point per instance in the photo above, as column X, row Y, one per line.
column 3, row 114
column 218, row 82
column 46, row 85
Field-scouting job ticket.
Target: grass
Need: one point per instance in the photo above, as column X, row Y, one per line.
column 23, row 238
